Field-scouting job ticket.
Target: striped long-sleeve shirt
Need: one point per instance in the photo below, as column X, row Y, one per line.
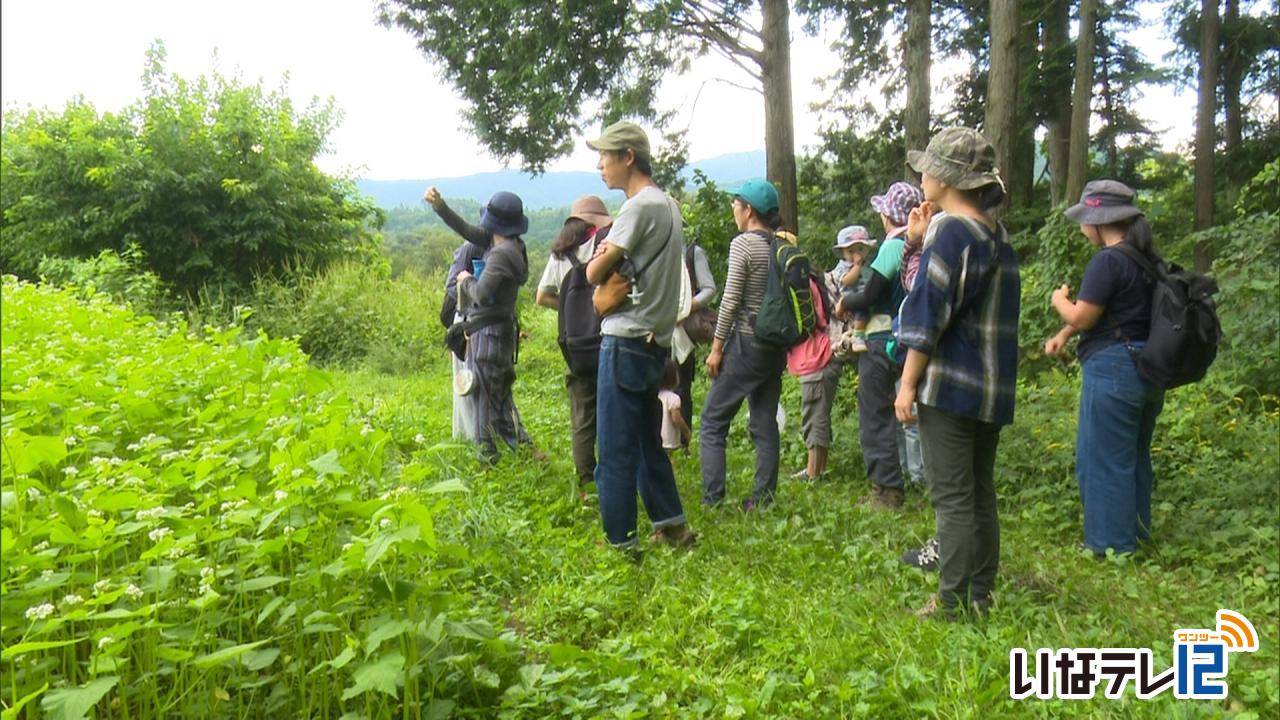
column 963, row 313
column 745, row 285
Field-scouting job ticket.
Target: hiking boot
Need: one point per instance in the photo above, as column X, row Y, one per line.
column 679, row 536
column 886, row 499
column 801, row 474
column 934, row 610
column 925, row 558
column 980, row 607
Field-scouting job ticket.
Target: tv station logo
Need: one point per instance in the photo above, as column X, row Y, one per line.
column 1199, row 669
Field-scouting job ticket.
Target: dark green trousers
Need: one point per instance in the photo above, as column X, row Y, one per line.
column 959, row 460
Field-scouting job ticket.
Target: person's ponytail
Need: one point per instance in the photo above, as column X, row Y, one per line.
column 1138, row 234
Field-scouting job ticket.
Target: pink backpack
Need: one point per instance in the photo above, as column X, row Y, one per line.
column 814, row 352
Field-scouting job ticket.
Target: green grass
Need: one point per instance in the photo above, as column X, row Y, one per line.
column 482, row 592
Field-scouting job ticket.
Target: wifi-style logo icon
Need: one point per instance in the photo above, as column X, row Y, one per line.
column 1236, row 632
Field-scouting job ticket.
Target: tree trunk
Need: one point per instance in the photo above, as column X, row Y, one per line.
column 1002, row 84
column 1205, row 112
column 1232, row 79
column 917, row 54
column 1057, row 20
column 1078, row 155
column 1022, row 175
column 779, row 126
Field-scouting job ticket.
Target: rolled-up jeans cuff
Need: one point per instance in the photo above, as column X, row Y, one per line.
column 670, row 522
column 633, row 542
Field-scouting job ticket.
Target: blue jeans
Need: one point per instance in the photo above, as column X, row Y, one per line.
column 629, row 436
column 1118, row 412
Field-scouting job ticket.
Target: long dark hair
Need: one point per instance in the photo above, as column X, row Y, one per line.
column 1138, row 234
column 986, row 197
column 573, row 234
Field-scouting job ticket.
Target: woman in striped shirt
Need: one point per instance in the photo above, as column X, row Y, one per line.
column 739, row 366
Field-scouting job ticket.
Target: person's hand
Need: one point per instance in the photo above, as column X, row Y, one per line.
column 918, row 221
column 1053, row 346
column 715, row 359
column 600, row 250
column 464, row 275
column 904, row 405
column 857, row 260
column 1060, row 295
column 839, row 310
column 432, row 196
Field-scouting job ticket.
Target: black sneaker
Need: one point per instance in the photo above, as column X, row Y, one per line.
column 925, row 558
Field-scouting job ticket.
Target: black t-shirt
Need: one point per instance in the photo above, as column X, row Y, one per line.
column 1115, row 282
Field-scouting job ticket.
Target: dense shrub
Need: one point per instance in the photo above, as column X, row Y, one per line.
column 356, row 311
column 118, row 275
column 213, row 179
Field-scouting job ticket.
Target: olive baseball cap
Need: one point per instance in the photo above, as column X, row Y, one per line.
column 958, row 156
column 623, row 136
column 759, row 194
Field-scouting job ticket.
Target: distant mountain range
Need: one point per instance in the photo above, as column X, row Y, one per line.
column 550, row 190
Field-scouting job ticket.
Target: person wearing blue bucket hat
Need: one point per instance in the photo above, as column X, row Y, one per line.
column 487, row 274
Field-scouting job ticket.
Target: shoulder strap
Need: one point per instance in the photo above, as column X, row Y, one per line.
column 1141, row 259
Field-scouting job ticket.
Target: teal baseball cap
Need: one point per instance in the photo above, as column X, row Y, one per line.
column 758, row 193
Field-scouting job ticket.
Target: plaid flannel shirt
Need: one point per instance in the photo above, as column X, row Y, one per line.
column 969, row 332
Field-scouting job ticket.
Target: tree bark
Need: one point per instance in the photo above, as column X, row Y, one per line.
column 1057, row 20
column 1022, row 174
column 1205, row 112
column 779, row 125
column 1232, row 79
column 917, row 52
column 1078, row 155
column 1002, row 84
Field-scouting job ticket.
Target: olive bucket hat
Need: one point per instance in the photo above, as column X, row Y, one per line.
column 960, row 157
column 1104, row 202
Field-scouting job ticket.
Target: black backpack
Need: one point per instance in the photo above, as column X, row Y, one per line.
column 786, row 314
column 579, row 324
column 1184, row 334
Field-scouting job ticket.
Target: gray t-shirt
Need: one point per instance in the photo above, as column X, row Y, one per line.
column 648, row 227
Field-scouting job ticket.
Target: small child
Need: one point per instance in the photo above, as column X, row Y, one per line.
column 855, row 246
column 675, row 431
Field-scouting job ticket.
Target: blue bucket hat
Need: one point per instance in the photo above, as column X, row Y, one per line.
column 504, row 215
column 759, row 194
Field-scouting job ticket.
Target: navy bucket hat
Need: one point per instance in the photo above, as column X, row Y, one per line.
column 504, row 215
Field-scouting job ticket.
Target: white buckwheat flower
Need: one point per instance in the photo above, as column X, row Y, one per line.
column 70, row 471
column 420, row 439
column 159, row 534
column 296, row 473
column 40, row 612
column 384, row 523
column 72, row 599
column 105, row 641
column 133, row 591
column 280, row 495
column 70, row 441
column 101, row 586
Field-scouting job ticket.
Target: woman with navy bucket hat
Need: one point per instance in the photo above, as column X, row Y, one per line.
column 1118, row 409
column 487, row 293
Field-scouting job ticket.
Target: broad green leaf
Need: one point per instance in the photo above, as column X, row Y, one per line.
column 260, row 583
column 225, row 654
column 383, row 632
column 173, row 654
column 258, row 659
column 382, row 675
column 117, row 500
column 33, row 451
column 13, row 651
column 75, row 703
column 383, row 543
column 12, row 713
column 271, row 606
column 327, row 464
column 452, row 485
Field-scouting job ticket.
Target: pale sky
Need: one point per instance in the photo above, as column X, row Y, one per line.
column 400, row 118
